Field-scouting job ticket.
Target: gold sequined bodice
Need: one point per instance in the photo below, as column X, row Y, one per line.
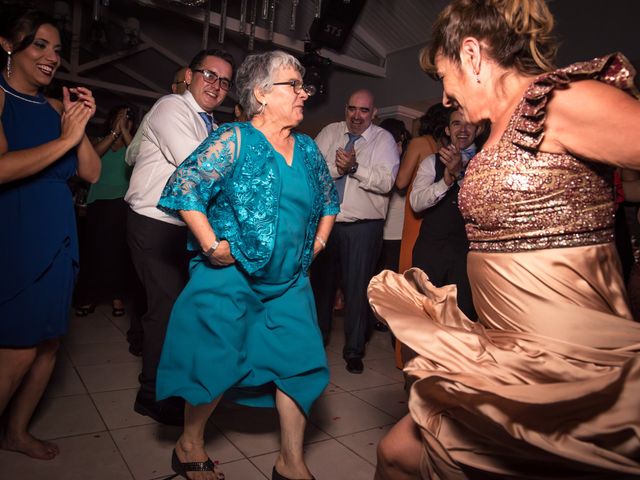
column 517, row 198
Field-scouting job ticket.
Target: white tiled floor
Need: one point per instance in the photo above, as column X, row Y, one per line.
column 87, row 410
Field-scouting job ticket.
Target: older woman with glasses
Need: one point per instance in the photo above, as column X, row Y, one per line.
column 260, row 204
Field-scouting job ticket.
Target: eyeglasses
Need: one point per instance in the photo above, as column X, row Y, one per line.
column 298, row 85
column 212, row 77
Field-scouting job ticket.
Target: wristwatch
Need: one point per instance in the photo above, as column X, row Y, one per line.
column 353, row 169
column 211, row 249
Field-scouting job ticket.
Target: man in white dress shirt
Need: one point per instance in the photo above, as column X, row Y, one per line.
column 442, row 246
column 173, row 128
column 363, row 160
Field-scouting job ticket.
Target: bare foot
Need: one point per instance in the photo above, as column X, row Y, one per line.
column 31, row 446
column 195, row 452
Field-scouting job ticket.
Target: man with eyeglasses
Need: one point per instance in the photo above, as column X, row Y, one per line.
column 363, row 160
column 173, row 128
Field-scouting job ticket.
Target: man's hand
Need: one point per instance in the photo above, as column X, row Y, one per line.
column 452, row 159
column 345, row 160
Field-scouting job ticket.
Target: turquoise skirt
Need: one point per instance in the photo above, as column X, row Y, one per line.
column 244, row 336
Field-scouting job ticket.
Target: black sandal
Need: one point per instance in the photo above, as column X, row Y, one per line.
column 181, row 468
column 84, row 310
column 275, row 475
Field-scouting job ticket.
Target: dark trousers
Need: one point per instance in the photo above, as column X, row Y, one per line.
column 159, row 253
column 105, row 266
column 390, row 256
column 446, row 263
column 352, row 252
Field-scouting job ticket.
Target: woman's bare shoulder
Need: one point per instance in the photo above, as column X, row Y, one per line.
column 421, row 145
column 56, row 104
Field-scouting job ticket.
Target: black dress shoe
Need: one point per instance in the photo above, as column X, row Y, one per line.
column 167, row 412
column 381, row 327
column 135, row 349
column 354, row 365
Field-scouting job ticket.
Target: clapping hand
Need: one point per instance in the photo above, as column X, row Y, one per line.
column 345, row 160
column 451, row 157
column 122, row 122
column 76, row 113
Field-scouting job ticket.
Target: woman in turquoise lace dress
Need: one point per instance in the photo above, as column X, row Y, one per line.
column 260, row 204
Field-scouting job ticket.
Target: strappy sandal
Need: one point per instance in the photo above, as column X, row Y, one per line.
column 181, row 468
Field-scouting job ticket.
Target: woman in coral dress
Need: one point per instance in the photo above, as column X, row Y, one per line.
column 546, row 384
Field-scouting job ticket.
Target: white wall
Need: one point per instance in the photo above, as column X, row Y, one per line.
column 585, row 28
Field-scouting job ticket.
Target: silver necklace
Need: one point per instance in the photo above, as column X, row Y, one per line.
column 38, row 102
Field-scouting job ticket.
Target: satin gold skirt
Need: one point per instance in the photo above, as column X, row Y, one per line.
column 545, row 385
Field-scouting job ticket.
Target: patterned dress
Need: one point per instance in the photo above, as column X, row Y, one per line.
column 546, row 384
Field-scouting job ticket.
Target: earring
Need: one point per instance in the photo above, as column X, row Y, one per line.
column 8, row 64
column 263, row 104
column 477, row 77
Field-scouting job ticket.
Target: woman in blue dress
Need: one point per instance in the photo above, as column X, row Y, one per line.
column 260, row 203
column 42, row 144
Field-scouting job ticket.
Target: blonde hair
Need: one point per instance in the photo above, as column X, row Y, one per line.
column 515, row 33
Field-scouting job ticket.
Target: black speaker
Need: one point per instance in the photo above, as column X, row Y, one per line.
column 337, row 18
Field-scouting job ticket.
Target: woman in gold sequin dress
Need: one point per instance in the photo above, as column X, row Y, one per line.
column 547, row 383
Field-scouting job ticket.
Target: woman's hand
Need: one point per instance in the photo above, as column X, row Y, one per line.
column 118, row 122
column 121, row 123
column 318, row 246
column 74, row 120
column 222, row 256
column 84, row 97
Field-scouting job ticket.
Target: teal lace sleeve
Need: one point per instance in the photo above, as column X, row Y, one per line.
column 200, row 177
column 330, row 201
column 325, row 200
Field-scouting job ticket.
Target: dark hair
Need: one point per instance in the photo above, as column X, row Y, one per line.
column 397, row 129
column 113, row 114
column 19, row 26
column 434, row 121
column 196, row 62
column 516, row 33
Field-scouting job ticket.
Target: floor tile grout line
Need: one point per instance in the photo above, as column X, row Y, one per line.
column 104, row 421
column 374, row 406
column 101, row 417
column 257, row 468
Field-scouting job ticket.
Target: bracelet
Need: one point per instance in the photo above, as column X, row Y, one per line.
column 322, row 242
column 211, row 249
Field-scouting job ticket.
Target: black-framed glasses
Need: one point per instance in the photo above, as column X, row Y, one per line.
column 298, row 86
column 212, row 77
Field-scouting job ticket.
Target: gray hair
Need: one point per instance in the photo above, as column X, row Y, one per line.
column 257, row 71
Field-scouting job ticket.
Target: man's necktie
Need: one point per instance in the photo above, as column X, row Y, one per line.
column 208, row 120
column 342, row 181
column 467, row 154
